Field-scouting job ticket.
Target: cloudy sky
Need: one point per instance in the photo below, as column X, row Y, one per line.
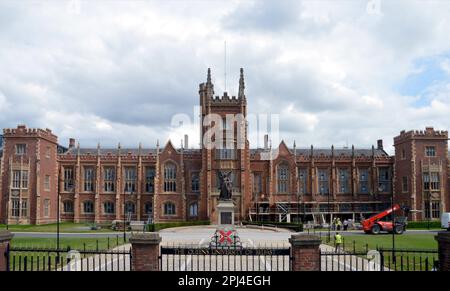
column 337, row 72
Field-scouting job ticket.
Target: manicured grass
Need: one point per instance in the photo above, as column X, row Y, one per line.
column 64, row 227
column 73, row 243
column 405, row 241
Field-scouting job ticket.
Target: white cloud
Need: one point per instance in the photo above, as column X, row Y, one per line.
column 121, row 71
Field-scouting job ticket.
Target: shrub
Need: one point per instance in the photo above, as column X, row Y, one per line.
column 297, row 227
column 423, row 224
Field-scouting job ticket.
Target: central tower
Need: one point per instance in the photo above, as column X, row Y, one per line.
column 225, row 147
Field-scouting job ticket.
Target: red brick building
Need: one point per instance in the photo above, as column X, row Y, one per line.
column 169, row 183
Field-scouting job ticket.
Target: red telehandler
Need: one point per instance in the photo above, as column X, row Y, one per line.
column 383, row 222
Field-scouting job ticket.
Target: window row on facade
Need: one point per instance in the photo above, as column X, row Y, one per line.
column 109, row 208
column 323, row 179
column 130, row 179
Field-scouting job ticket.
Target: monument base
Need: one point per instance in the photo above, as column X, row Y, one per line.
column 225, row 211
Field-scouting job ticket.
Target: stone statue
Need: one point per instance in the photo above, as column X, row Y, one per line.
column 226, row 186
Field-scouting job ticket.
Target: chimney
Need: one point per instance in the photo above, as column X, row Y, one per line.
column 71, row 143
column 186, row 141
column 380, row 144
column 266, row 141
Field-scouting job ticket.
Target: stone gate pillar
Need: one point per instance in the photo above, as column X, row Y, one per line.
column 145, row 251
column 443, row 239
column 305, row 252
column 5, row 238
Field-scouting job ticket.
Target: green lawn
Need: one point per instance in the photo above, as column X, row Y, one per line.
column 31, row 258
column 411, row 260
column 64, row 227
column 73, row 243
column 410, row 241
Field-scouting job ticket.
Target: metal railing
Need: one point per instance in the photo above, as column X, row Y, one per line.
column 47, row 259
column 197, row 258
column 379, row 260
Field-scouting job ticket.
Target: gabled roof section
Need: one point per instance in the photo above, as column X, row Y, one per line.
column 113, row 151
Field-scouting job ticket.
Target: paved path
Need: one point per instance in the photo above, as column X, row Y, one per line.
column 340, row 261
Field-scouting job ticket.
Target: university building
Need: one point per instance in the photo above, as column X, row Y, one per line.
column 170, row 183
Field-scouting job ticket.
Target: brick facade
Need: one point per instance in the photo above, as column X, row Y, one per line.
column 305, row 252
column 443, row 239
column 173, row 183
column 5, row 239
column 145, row 251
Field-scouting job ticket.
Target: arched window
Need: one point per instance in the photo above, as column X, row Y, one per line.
column 283, row 178
column 148, row 208
column 170, row 177
column 195, row 182
column 68, row 206
column 169, row 208
column 193, row 209
column 130, row 207
column 108, row 207
column 88, row 207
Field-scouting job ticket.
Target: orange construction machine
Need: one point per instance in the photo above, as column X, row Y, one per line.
column 383, row 221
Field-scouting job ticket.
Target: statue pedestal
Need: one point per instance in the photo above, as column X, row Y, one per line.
column 225, row 212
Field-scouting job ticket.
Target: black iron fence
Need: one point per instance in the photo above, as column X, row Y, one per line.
column 409, row 260
column 42, row 259
column 380, row 260
column 196, row 258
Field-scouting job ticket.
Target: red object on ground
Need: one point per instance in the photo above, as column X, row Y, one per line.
column 375, row 224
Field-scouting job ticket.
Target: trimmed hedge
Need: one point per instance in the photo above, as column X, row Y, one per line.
column 297, row 227
column 163, row 225
column 423, row 224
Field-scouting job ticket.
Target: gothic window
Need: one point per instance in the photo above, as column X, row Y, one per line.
column 404, row 184
column 257, row 183
column 20, row 179
column 88, row 207
column 24, row 208
column 226, row 154
column 193, row 209
column 195, row 182
column 324, row 187
column 150, row 180
column 431, row 182
column 302, row 179
column 384, row 179
column 68, row 206
column 130, row 180
column 68, row 179
column 170, row 177
column 344, row 183
column 169, row 208
column 109, row 179
column 21, row 149
column 363, row 181
column 283, row 178
column 47, row 182
column 130, row 207
column 88, row 179
column 148, row 208
column 430, row 151
column 46, row 207
column 15, row 207
column 108, row 207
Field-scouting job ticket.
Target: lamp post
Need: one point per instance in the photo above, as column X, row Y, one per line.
column 7, row 211
column 329, row 213
column 124, row 219
column 393, row 227
column 58, row 217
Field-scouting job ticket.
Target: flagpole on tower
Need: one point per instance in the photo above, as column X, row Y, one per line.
column 225, row 64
